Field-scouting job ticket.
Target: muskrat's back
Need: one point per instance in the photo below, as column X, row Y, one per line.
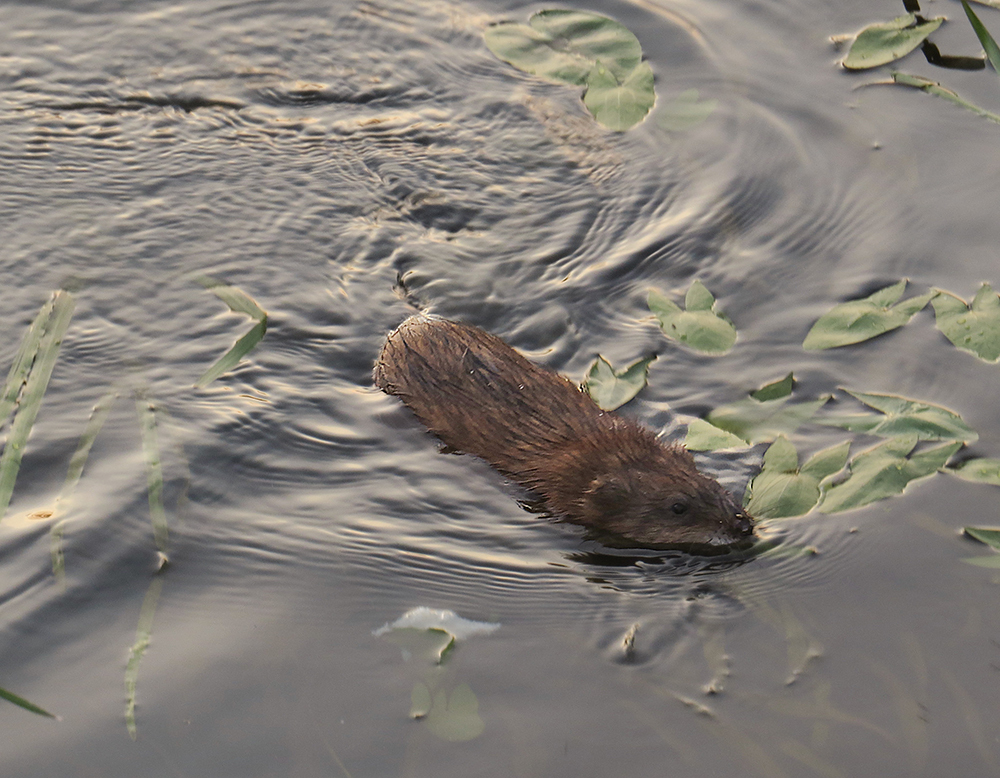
column 589, row 466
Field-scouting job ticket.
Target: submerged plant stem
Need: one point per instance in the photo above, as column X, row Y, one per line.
column 143, row 635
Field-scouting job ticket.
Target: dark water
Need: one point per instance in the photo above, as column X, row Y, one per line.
column 312, row 153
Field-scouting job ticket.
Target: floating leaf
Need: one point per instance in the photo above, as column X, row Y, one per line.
column 700, row 327
column 934, row 88
column 993, row 560
column 154, row 469
column 619, row 104
column 884, row 471
column 565, row 45
column 238, row 302
column 881, row 43
column 901, row 417
column 455, row 717
column 989, row 44
column 684, row 111
column 758, row 420
column 775, row 390
column 980, row 471
column 702, row 436
column 611, row 388
column 859, row 320
column 782, row 489
column 143, row 636
column 974, row 328
column 23, row 359
column 432, row 633
column 988, row 535
column 52, row 331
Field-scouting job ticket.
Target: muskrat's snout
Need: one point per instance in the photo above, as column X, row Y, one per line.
column 742, row 522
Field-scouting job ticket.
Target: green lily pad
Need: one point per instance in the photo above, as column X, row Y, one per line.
column 565, row 45
column 859, row 320
column 988, row 535
column 619, row 104
column 980, row 471
column 901, row 417
column 685, row 111
column 782, row 489
column 974, row 328
column 884, row 471
column 611, row 388
column 759, row 420
column 703, row 436
column 700, row 326
column 989, row 44
column 885, row 42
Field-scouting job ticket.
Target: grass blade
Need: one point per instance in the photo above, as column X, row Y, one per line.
column 989, row 45
column 143, row 636
column 34, row 391
column 231, row 358
column 23, row 360
column 934, row 88
column 154, row 469
column 237, row 300
column 20, row 701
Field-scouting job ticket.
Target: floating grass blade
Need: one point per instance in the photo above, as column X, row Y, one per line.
column 34, row 390
column 989, row 44
column 934, row 88
column 238, row 302
column 154, row 468
column 21, row 702
column 23, row 360
column 143, row 636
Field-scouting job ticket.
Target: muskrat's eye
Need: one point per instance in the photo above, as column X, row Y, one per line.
column 679, row 508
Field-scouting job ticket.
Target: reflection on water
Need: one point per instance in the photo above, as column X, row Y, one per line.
column 313, row 154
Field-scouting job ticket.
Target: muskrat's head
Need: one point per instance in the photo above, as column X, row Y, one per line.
column 657, row 498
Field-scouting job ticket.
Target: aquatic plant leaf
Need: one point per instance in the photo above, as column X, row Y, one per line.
column 775, row 390
column 99, row 414
column 703, row 436
column 143, row 636
column 859, row 320
column 700, row 327
column 237, row 300
column 53, row 330
column 24, row 358
column 611, row 388
column 232, row 358
column 993, row 561
column 619, row 104
column 881, row 43
column 759, row 421
column 988, row 535
column 782, row 489
column 448, row 621
column 980, row 471
column 565, row 45
column 455, row 717
column 989, row 44
column 934, row 88
column 884, row 471
column 23, row 703
column 974, row 328
column 154, row 469
column 900, row 417
column 684, row 111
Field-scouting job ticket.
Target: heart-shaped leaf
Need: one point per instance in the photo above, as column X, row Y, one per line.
column 702, row 436
column 611, row 388
column 974, row 328
column 684, row 111
column 700, row 327
column 901, row 417
column 619, row 104
column 782, row 489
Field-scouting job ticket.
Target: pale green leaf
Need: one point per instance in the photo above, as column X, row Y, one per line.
column 881, row 43
column 702, row 436
column 619, row 104
column 775, row 390
column 782, row 489
column 992, row 561
column 989, row 44
column 455, row 717
column 988, row 535
column 974, row 328
column 758, row 421
column 684, row 111
column 859, row 320
column 703, row 329
column 900, row 416
column 611, row 388
column 981, row 471
column 231, row 358
column 143, row 636
column 934, row 88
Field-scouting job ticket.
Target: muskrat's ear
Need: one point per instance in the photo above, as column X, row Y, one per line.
column 607, row 491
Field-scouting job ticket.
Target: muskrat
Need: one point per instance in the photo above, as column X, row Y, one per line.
column 587, row 466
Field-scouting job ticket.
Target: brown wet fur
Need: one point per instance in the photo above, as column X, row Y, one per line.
column 589, row 466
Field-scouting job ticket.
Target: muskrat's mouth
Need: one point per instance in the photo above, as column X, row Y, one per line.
column 718, row 545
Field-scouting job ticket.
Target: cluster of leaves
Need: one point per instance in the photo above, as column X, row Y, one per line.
column 885, row 42
column 829, row 480
column 582, row 49
column 22, row 394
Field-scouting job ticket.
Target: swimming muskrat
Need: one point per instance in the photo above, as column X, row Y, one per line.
column 588, row 466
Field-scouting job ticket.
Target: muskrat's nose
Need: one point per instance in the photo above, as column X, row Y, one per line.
column 744, row 524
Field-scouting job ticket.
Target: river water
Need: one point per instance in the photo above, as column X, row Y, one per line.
column 312, row 154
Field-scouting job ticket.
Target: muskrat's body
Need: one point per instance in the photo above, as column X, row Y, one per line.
column 589, row 466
